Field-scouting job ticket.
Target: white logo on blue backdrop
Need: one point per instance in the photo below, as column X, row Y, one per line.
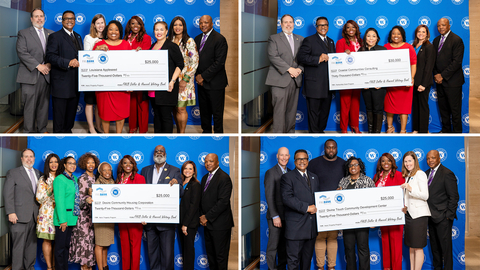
column 392, row 2
column 465, row 119
column 299, row 117
column 381, row 22
column 403, row 21
column 217, row 138
column 71, row 153
column 201, row 158
column 263, row 157
column 461, row 155
column 114, row 157
column 449, row 19
column 371, row 2
column 461, row 258
column 396, row 154
column 361, row 21
column 196, row 112
column 250, row 2
column 119, row 17
column 455, row 232
column 68, row 1
column 349, row 153
column 465, row 23
column 197, row 236
column 267, row 232
column 288, row 2
column 81, row 18
column 374, row 258
column 58, row 18
column 169, row 1
column 339, row 21
column 263, row 207
column 414, row 2
column 179, row 260
column 51, row 2
column 329, row 2
column 196, row 23
column 372, row 155
column 225, row 160
column 141, row 17
column 436, row 2
column 462, row 207
column 263, row 258
column 299, row 22
column 45, row 154
column 433, row 94
column 429, row 118
column 350, row 2
column 362, row 117
column 466, row 71
column 308, row 2
column 189, row 2
column 425, row 20
column 340, row 235
column 309, row 154
column 457, row 2
column 95, row 153
column 181, row 157
column 194, row 137
column 443, row 154
column 408, row 119
column 113, row 258
column 109, row 1
column 216, row 23
column 379, row 233
column 419, row 153
column 336, row 117
column 128, row 1
column 171, row 137
column 138, row 157
column 209, row 2
column 279, row 23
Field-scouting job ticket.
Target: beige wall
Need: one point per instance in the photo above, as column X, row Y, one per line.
column 229, row 29
column 474, row 48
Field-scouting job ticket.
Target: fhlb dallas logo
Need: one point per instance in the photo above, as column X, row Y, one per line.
column 349, row 59
column 71, row 153
column 179, row 260
column 466, row 71
column 288, row 2
column 196, row 21
column 419, row 153
column 216, row 23
column 51, row 2
column 138, row 157
column 372, row 155
column 362, row 117
column 103, row 58
column 443, row 154
column 461, row 258
column 201, row 158
column 217, row 138
column 340, row 234
column 435, row 2
column 396, row 153
column 381, row 22
column 465, row 23
column 308, row 2
column 95, row 153
column 169, row 1
column 46, row 153
column 339, row 198
column 202, row 261
column 263, row 258
column 114, row 157
column 81, row 18
column 194, row 137
column 68, row 1
column 80, row 108
column 309, row 154
column 361, row 21
column 349, row 153
column 127, row 1
column 392, row 2
column 350, row 2
column 58, row 18
column 336, row 117
column 457, row 2
column 461, row 155
column 379, row 233
column 374, row 258
column 113, row 258
column 425, row 20
column 225, row 160
column 263, row 157
column 196, row 112
column 119, row 17
column 339, row 21
column 181, row 157
column 209, row 2
column 189, row 2
column 433, row 94
column 455, row 232
column 371, row 2
column 197, row 236
column 414, row 2
column 299, row 117
column 329, row 2
column 462, row 207
column 267, row 232
column 263, row 207
column 404, row 21
column 299, row 22
column 115, row 192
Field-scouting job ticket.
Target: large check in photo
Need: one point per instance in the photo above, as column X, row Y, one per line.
column 359, row 208
column 123, row 70
column 135, row 203
column 369, row 69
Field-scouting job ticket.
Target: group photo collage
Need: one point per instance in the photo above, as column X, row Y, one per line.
column 239, row 134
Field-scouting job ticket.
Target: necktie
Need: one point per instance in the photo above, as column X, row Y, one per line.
column 42, row 39
column 290, row 40
column 74, row 40
column 208, row 181
column 441, row 44
column 307, row 179
column 431, row 176
column 32, row 179
column 202, row 42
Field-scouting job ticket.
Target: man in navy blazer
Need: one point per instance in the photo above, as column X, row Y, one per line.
column 62, row 53
column 442, row 201
column 161, row 237
column 298, row 187
column 313, row 55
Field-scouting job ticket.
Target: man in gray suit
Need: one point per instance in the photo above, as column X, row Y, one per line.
column 21, row 208
column 275, row 215
column 284, row 75
column 34, row 73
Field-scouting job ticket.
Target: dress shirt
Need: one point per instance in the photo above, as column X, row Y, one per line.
column 284, row 171
column 213, row 172
column 156, row 175
column 68, row 32
column 28, row 173
column 436, row 169
column 207, row 34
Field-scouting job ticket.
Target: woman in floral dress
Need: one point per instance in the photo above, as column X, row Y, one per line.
column 45, row 228
column 82, row 243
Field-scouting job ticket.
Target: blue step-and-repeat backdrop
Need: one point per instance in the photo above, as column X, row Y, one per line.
column 150, row 11
column 111, row 150
column 381, row 15
column 369, row 149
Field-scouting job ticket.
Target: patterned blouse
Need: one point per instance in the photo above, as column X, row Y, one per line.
column 190, row 58
column 362, row 182
column 45, row 227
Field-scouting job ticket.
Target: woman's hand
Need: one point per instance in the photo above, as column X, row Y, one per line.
column 144, row 223
column 339, row 188
column 90, row 191
column 182, row 85
column 184, row 230
column 406, row 186
column 63, row 226
column 102, row 48
column 347, row 51
column 138, row 49
column 173, row 182
column 421, row 88
column 170, row 86
column 404, row 210
column 89, row 200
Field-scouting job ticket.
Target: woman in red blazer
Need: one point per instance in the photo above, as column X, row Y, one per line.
column 387, row 175
column 130, row 233
column 349, row 99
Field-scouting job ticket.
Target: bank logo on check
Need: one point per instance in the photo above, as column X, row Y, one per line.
column 115, row 192
column 339, row 198
column 350, row 59
column 324, row 199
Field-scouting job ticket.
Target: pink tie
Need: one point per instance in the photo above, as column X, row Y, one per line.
column 34, row 182
column 42, row 39
column 290, row 40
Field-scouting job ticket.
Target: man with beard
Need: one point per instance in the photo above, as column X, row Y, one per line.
column 329, row 169
column 21, row 208
column 34, row 73
column 161, row 237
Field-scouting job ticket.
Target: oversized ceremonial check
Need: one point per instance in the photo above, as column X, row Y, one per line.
column 135, row 203
column 358, row 208
column 123, row 70
column 369, row 69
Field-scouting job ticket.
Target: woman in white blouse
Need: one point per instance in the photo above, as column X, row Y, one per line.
column 96, row 29
column 416, row 208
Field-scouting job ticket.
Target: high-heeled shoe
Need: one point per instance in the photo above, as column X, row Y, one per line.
column 356, row 130
column 391, row 129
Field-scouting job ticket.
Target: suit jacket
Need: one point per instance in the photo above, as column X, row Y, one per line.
column 215, row 202
column 316, row 83
column 443, row 195
column 190, row 205
column 60, row 50
column 273, row 194
column 211, row 64
column 18, row 194
column 281, row 59
column 31, row 54
column 449, row 60
column 416, row 200
column 297, row 196
column 64, row 192
column 169, row 172
column 425, row 61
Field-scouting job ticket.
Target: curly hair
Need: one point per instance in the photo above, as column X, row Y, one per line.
column 357, row 32
column 82, row 161
column 379, row 166
column 360, row 164
column 120, row 168
column 46, row 167
column 141, row 32
column 194, row 176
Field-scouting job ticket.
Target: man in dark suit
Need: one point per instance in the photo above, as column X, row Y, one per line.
column 62, row 53
column 216, row 213
column 21, row 208
column 449, row 76
column 211, row 76
column 298, row 187
column 34, row 73
column 161, row 237
column 442, row 201
column 313, row 54
column 284, row 76
column 275, row 216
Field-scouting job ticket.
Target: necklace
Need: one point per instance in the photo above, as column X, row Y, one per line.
column 352, row 181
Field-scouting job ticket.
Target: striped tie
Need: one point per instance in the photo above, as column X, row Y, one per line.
column 202, row 42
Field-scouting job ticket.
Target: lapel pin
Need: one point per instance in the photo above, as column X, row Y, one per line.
column 168, row 177
column 165, row 169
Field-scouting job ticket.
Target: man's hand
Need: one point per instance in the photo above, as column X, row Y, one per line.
column 438, row 78
column 173, row 182
column 323, row 58
column 184, row 230
column 13, row 218
column 43, row 69
column 294, row 72
column 312, row 209
column 203, row 220
column 277, row 222
column 182, row 85
column 74, row 63
column 199, row 79
column 404, row 210
column 421, row 88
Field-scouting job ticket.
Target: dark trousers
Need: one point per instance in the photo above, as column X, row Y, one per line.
column 35, row 99
column 284, row 101
column 217, row 244
column 188, row 247
column 62, row 245
column 374, row 99
column 24, row 244
column 360, row 238
column 450, row 104
column 318, row 110
column 420, row 110
column 276, row 244
column 162, row 118
column 299, row 253
column 212, row 104
column 64, row 113
column 441, row 243
column 161, row 248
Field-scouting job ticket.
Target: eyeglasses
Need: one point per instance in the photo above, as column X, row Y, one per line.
column 69, row 19
column 353, row 165
column 72, row 163
column 322, row 25
column 159, row 151
column 301, row 159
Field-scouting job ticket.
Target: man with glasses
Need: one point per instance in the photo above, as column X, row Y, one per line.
column 21, row 208
column 298, row 187
column 62, row 53
column 313, row 55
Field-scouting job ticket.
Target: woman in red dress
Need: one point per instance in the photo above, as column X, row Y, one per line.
column 130, row 233
column 398, row 100
column 137, row 37
column 349, row 99
column 113, row 105
column 392, row 236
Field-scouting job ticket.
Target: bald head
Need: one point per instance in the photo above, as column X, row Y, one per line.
column 433, row 158
column 211, row 162
column 283, row 155
column 443, row 26
column 205, row 23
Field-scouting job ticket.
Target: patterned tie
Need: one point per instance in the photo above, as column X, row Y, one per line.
column 308, row 180
column 290, row 40
column 202, row 42
column 431, row 177
column 32, row 179
column 441, row 44
column 42, row 39
column 208, row 181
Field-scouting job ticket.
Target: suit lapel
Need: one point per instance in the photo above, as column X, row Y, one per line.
column 301, row 179
column 296, row 43
column 24, row 173
column 285, row 40
column 164, row 172
column 33, row 31
column 68, row 39
column 212, row 181
column 320, row 41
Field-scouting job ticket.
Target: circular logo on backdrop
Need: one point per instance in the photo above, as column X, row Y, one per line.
column 299, row 117
column 379, row 233
column 309, row 154
column 404, row 21
column 350, row 2
column 392, row 2
column 443, row 154
column 267, row 232
column 263, row 258
column 119, row 17
column 138, row 157
column 263, row 207
column 271, row 137
column 429, row 118
column 189, row 2
column 339, row 198
column 362, row 117
column 329, row 2
column 433, row 94
column 455, row 232
column 196, row 21
column 457, row 2
column 202, row 261
column 114, row 157
column 381, row 22
column 51, row 1
column 462, row 207
column 195, row 112
column 194, row 137
column 466, row 71
column 371, row 2
column 414, row 2
column 181, row 157
column 95, row 153
column 465, row 23
column 361, row 21
column 372, row 155
column 396, row 153
column 408, row 119
column 197, row 236
column 461, row 155
column 308, row 2
column 71, row 153
column 169, row 1
column 217, row 138
column 216, row 23
column 340, row 234
column 115, row 192
column 141, row 17
column 339, row 21
column 58, row 18
column 46, row 153
column 461, row 258
column 109, row 1
column 68, row 1
column 80, row 18
column 225, row 160
column 336, row 117
column 419, row 153
column 59, row 137
column 179, row 260
column 374, row 258
column 263, row 157
column 250, row 2
column 209, row 2
column 349, row 153
column 279, row 23
column 113, row 258
column 80, row 108
column 299, row 22
column 171, row 137
column 425, row 20
column 465, row 119
column 128, row 1
column 449, row 19
column 103, row 58
column 435, row 2
column 201, row 158
column 288, row 2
